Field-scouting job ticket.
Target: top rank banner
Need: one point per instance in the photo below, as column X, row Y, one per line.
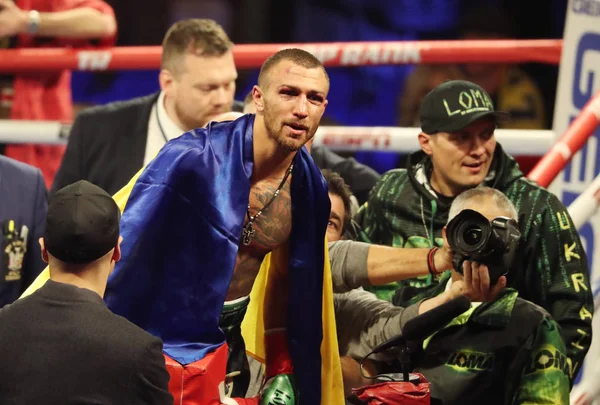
column 579, row 80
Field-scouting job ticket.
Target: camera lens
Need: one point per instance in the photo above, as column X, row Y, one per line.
column 472, row 235
column 468, row 234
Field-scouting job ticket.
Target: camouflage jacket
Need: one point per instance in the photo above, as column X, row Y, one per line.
column 505, row 352
column 550, row 268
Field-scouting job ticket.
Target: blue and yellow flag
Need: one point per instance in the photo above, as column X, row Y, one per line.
column 181, row 229
column 253, row 331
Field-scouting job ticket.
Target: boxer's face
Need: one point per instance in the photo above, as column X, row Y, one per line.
column 293, row 103
column 203, row 89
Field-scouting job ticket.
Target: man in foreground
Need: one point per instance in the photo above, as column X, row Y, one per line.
column 61, row 345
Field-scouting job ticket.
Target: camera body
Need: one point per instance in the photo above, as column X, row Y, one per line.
column 472, row 237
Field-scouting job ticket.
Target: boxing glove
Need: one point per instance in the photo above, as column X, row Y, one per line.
column 280, row 388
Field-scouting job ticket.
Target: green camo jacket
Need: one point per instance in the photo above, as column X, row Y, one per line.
column 550, row 268
column 506, row 352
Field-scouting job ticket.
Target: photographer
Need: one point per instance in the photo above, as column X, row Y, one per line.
column 362, row 320
column 501, row 351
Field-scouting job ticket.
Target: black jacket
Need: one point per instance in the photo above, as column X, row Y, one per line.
column 107, row 144
column 62, row 345
column 24, row 202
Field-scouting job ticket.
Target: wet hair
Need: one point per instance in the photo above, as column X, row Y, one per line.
column 298, row 56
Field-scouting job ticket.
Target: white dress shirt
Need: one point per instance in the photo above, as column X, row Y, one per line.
column 161, row 129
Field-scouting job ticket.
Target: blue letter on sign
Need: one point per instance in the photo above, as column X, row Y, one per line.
column 588, row 42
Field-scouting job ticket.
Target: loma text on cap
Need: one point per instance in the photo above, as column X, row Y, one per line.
column 468, row 102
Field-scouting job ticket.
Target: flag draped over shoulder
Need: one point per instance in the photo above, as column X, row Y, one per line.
column 253, row 331
column 181, row 228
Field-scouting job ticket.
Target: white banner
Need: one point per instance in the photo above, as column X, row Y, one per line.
column 579, row 79
column 515, row 142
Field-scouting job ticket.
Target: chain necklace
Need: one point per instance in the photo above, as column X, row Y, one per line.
column 248, row 232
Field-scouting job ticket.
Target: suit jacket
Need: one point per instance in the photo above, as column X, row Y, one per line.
column 107, row 144
column 23, row 200
column 62, row 345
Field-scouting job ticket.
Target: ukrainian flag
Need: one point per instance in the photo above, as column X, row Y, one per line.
column 181, row 226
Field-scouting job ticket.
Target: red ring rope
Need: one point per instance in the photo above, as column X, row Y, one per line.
column 580, row 130
column 332, row 54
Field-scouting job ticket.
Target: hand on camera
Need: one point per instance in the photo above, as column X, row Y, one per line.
column 476, row 283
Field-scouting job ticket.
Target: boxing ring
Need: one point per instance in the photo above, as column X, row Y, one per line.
column 555, row 149
column 556, row 152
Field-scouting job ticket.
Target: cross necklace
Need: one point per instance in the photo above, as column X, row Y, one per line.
column 248, row 232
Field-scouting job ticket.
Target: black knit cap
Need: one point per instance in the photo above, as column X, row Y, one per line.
column 82, row 223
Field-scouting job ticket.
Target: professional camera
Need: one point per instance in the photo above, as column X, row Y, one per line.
column 472, row 237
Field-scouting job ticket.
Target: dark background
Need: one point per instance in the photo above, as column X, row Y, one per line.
column 359, row 96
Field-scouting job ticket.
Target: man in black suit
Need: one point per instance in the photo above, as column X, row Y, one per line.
column 109, row 144
column 61, row 344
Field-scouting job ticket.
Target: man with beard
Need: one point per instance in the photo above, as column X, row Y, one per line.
column 109, row 144
column 200, row 220
column 359, row 177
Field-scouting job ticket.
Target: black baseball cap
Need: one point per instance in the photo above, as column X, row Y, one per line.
column 454, row 105
column 82, row 223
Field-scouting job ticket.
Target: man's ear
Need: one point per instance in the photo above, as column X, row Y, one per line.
column 44, row 251
column 257, row 96
column 166, row 80
column 425, row 143
column 117, row 252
